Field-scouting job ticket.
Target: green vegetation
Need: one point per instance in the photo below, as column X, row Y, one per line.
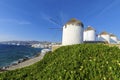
column 76, row 62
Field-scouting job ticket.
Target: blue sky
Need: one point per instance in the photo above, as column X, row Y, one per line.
column 31, row 19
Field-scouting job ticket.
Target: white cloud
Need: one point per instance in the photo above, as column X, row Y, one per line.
column 9, row 37
column 24, row 22
column 6, row 37
column 8, row 20
column 14, row 21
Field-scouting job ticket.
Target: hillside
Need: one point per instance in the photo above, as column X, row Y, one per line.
column 76, row 62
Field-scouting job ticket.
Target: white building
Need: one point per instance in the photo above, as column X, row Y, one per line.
column 113, row 39
column 72, row 32
column 89, row 34
column 118, row 41
column 104, row 36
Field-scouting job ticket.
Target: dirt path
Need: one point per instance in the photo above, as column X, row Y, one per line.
column 27, row 63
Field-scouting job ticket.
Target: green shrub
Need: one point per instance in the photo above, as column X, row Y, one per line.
column 76, row 62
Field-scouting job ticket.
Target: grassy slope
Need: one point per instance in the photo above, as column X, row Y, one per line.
column 85, row 61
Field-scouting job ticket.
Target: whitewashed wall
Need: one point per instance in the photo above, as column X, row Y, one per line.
column 72, row 34
column 104, row 38
column 89, row 35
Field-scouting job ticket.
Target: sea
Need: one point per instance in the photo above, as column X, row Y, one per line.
column 12, row 53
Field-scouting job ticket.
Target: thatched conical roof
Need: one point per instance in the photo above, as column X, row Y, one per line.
column 104, row 33
column 112, row 35
column 74, row 21
column 89, row 28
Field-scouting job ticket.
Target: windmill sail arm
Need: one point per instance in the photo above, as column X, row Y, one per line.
column 54, row 21
column 55, row 28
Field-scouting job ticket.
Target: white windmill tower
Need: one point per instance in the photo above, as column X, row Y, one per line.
column 104, row 36
column 89, row 34
column 113, row 39
column 72, row 32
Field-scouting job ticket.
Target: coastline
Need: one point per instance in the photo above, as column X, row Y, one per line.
column 28, row 62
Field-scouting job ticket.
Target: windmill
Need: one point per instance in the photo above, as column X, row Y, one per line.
column 57, row 23
column 72, row 31
column 56, row 28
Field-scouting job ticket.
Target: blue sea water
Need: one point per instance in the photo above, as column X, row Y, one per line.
column 11, row 53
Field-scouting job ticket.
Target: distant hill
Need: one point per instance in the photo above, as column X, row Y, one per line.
column 76, row 62
column 24, row 42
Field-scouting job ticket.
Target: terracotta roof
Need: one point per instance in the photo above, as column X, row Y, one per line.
column 75, row 21
column 104, row 33
column 89, row 28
